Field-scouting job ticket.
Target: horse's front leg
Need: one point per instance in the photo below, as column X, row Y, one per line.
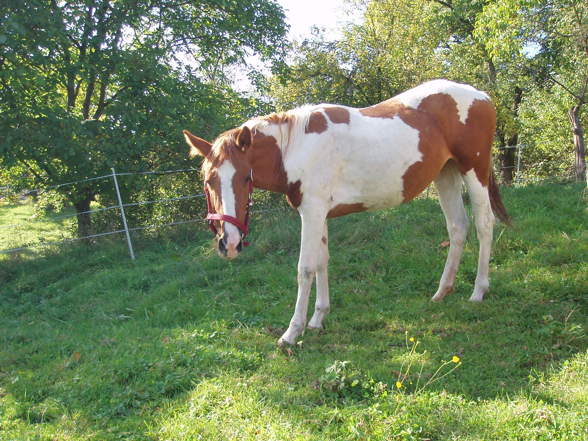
column 308, row 264
column 322, row 304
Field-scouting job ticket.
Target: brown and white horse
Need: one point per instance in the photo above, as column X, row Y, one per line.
column 333, row 160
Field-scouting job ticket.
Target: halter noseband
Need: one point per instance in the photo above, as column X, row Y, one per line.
column 213, row 216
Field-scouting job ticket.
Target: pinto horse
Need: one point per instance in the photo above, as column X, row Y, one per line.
column 331, row 160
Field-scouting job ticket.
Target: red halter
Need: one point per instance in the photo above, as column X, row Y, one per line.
column 212, row 216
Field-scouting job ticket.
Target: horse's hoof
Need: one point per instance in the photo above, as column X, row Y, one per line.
column 316, row 329
column 440, row 294
column 283, row 343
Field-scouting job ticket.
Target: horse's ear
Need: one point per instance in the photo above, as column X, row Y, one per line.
column 244, row 138
column 198, row 146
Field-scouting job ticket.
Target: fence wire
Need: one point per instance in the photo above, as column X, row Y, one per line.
column 518, row 178
column 119, row 207
column 96, row 178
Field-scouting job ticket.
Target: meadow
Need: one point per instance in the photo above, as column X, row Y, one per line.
column 181, row 345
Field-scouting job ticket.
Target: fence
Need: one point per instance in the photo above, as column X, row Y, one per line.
column 519, row 178
column 120, row 206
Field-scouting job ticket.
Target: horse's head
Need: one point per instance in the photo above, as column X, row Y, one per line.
column 228, row 186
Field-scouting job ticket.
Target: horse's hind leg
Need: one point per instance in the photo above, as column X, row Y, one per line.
column 484, row 219
column 449, row 184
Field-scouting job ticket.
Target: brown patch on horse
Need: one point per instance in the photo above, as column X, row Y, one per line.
column 343, row 209
column 317, row 123
column 432, row 145
column 469, row 143
column 473, row 145
column 432, row 142
column 442, row 137
column 324, row 240
column 294, row 195
column 265, row 157
column 337, row 115
column 386, row 109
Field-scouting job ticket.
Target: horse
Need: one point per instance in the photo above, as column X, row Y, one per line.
column 332, row 160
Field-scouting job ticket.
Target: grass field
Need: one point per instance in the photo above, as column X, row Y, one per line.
column 181, row 345
column 21, row 226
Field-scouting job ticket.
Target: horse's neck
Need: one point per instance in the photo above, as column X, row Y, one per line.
column 266, row 162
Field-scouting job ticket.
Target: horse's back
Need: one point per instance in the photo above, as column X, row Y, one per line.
column 461, row 115
column 386, row 154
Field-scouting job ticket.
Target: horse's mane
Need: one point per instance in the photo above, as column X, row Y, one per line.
column 286, row 127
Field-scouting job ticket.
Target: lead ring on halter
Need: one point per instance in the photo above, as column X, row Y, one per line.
column 213, row 216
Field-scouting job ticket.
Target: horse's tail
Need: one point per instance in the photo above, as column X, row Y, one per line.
column 496, row 201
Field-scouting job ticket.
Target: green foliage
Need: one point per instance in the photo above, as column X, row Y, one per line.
column 88, row 85
column 547, row 149
column 392, row 49
column 548, row 39
column 510, row 49
column 344, row 383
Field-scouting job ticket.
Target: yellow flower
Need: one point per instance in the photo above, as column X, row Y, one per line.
column 398, row 384
column 455, row 359
column 411, row 339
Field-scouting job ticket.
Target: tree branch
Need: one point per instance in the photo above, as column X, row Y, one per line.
column 33, row 171
column 564, row 87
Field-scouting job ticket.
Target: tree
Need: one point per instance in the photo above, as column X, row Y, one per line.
column 90, row 84
column 390, row 50
column 557, row 30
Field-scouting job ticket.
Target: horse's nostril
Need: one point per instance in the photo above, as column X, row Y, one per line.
column 240, row 246
column 222, row 244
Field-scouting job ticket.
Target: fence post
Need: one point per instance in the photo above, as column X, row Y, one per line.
column 122, row 213
column 519, row 154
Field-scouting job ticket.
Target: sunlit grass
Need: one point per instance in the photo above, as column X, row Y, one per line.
column 20, row 226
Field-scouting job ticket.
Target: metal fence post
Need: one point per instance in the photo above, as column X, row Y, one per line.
column 519, row 154
column 122, row 213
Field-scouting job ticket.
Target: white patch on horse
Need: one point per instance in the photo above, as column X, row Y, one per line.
column 226, row 171
column 360, row 160
column 463, row 95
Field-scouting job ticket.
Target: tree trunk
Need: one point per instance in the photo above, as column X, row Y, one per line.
column 579, row 143
column 507, row 159
column 507, row 156
column 508, row 148
column 84, row 220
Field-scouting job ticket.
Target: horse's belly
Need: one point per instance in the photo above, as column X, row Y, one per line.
column 372, row 168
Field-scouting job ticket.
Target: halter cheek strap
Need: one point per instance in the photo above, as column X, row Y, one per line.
column 212, row 216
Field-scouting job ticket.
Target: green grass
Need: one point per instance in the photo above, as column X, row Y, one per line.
column 21, row 226
column 180, row 345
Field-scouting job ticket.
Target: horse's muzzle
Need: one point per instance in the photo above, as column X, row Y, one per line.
column 228, row 251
